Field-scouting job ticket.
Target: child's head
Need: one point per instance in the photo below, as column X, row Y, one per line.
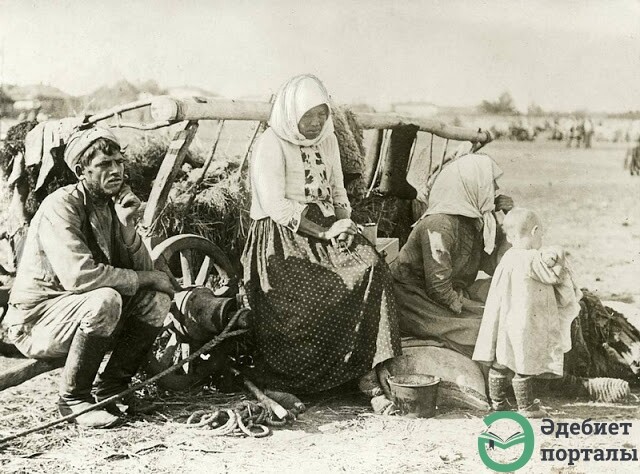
column 523, row 228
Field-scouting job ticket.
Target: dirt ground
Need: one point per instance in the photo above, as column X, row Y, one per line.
column 591, row 208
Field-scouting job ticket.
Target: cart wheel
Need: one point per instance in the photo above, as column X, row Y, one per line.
column 192, row 261
column 196, row 261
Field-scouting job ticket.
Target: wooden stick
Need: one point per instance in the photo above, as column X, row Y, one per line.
column 205, row 167
column 227, row 333
column 118, row 110
column 167, row 173
column 274, row 406
column 27, row 370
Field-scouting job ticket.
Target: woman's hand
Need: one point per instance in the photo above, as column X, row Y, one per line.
column 342, row 226
column 344, row 240
column 503, row 203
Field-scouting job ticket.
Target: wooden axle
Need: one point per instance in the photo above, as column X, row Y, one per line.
column 166, row 108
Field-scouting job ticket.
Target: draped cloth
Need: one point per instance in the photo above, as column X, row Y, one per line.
column 466, row 187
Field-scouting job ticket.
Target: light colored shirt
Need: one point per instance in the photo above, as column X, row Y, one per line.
column 285, row 178
column 68, row 249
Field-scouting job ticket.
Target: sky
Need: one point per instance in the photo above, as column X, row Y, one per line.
column 561, row 54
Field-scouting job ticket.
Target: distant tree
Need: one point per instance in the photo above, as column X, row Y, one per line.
column 535, row 110
column 503, row 106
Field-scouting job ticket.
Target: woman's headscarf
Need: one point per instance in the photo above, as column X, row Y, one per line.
column 465, row 187
column 297, row 96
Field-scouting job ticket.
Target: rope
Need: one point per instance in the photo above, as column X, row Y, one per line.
column 242, row 420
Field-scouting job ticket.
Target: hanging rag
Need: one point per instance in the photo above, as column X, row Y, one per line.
column 41, row 142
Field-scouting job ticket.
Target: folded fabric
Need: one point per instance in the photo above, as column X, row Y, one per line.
column 18, row 169
column 42, row 140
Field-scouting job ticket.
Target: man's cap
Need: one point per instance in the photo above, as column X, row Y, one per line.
column 81, row 140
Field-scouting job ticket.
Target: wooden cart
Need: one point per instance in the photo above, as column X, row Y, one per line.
column 195, row 262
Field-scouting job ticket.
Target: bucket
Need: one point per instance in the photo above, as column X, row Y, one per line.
column 415, row 395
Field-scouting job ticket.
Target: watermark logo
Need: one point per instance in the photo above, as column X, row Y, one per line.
column 489, row 441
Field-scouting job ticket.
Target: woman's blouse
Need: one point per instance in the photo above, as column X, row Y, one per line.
column 443, row 255
column 285, row 178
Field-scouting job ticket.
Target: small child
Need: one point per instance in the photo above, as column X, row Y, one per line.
column 526, row 325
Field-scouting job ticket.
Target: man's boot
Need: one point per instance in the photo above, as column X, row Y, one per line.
column 131, row 350
column 527, row 404
column 498, row 386
column 82, row 364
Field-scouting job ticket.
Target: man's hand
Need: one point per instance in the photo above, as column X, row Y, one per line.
column 503, row 203
column 156, row 280
column 127, row 205
column 472, row 306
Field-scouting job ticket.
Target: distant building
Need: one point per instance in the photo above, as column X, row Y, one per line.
column 46, row 99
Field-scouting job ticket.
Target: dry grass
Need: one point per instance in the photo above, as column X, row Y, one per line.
column 336, row 434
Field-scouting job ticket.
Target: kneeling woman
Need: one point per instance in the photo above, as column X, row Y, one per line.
column 321, row 298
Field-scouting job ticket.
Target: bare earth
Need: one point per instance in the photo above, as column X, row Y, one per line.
column 591, row 208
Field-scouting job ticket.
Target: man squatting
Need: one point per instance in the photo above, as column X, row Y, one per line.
column 85, row 283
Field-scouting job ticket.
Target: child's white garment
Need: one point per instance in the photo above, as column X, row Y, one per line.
column 526, row 325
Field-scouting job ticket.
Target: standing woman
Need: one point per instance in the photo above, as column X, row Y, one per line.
column 321, row 297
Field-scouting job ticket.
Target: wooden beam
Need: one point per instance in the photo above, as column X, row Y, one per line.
column 27, row 370
column 209, row 108
column 441, row 129
column 167, row 173
column 206, row 108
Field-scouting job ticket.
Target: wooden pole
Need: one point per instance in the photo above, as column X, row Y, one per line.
column 274, row 406
column 205, row 166
column 166, row 174
column 27, row 370
column 373, row 156
column 172, row 109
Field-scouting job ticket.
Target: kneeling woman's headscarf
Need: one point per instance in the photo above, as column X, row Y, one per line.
column 296, row 97
column 466, row 187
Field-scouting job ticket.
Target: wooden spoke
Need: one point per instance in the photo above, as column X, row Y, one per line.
column 185, row 348
column 185, row 264
column 205, row 270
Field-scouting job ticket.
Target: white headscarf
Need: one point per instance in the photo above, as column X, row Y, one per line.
column 465, row 187
column 297, row 96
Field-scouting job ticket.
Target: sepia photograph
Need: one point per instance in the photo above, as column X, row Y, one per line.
column 278, row 236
